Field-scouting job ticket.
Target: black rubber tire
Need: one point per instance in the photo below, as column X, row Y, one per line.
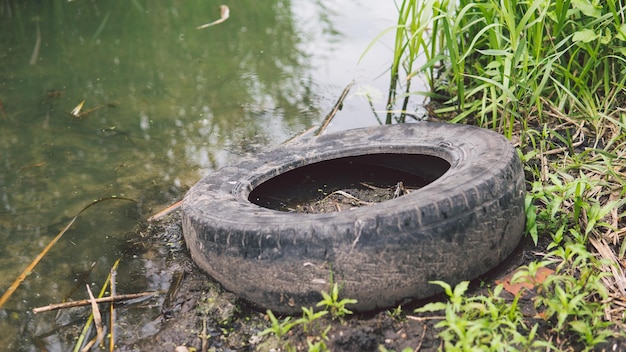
column 456, row 228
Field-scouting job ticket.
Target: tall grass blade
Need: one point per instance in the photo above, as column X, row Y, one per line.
column 14, row 286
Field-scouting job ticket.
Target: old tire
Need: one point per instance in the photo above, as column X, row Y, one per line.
column 457, row 227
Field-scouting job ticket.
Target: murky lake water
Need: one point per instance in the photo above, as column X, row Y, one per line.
column 164, row 104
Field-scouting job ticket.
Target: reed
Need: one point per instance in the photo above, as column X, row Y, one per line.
column 498, row 62
column 550, row 75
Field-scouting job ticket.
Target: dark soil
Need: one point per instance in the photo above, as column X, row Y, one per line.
column 197, row 314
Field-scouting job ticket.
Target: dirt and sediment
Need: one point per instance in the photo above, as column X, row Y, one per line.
column 197, row 314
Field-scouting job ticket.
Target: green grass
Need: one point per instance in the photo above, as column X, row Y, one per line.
column 311, row 323
column 550, row 75
column 335, row 305
column 488, row 322
column 505, row 60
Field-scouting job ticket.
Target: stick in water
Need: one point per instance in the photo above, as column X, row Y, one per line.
column 85, row 302
column 338, row 105
column 165, row 211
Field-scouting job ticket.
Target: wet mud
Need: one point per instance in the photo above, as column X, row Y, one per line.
column 199, row 315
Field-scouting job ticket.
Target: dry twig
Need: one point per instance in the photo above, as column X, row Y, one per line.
column 84, row 302
column 165, row 211
column 338, row 105
column 97, row 317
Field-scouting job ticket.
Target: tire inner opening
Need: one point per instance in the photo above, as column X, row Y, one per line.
column 348, row 182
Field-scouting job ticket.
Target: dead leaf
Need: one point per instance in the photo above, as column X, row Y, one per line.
column 78, row 108
column 224, row 14
column 97, row 318
column 527, row 283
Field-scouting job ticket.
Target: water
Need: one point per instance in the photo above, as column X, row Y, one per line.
column 164, row 104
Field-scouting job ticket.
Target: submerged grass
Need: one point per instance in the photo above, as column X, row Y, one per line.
column 550, row 75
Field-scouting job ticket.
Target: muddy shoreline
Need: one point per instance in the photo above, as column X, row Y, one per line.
column 200, row 315
column 197, row 314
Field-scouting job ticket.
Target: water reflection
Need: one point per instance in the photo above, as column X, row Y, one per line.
column 179, row 102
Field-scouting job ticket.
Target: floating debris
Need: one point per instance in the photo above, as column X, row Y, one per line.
column 35, row 55
column 78, row 108
column 80, row 114
column 224, row 12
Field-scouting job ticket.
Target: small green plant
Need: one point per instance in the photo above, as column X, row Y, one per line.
column 396, row 313
column 572, row 297
column 481, row 322
column 278, row 328
column 318, row 346
column 336, row 306
column 382, row 348
column 309, row 316
column 332, row 305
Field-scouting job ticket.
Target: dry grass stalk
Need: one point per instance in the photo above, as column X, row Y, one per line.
column 97, row 317
column 9, row 292
column 87, row 326
column 113, row 276
column 617, row 280
column 338, row 105
column 35, row 55
column 84, row 302
column 82, row 280
column 164, row 212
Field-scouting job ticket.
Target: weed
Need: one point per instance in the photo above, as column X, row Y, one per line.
column 309, row 316
column 318, row 346
column 382, row 348
column 550, row 73
column 278, row 328
column 498, row 61
column 573, row 296
column 397, row 314
column 316, row 333
column 487, row 322
column 332, row 303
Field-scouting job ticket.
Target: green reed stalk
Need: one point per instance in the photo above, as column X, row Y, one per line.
column 499, row 61
column 416, row 34
column 399, row 47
